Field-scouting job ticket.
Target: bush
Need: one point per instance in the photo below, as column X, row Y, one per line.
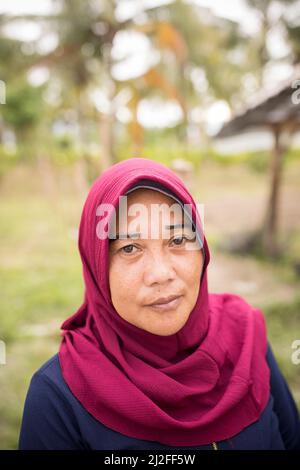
column 8, row 160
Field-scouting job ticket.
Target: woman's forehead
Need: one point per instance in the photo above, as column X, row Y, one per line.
column 147, row 195
column 150, row 203
column 147, row 209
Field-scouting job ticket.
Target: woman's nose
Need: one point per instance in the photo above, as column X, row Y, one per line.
column 158, row 269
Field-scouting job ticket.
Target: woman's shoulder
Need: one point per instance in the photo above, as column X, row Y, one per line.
column 50, row 368
column 48, row 420
column 48, row 393
column 48, row 377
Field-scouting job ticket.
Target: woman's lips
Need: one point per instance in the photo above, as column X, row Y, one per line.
column 171, row 305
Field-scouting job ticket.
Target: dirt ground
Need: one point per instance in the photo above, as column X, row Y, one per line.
column 234, row 201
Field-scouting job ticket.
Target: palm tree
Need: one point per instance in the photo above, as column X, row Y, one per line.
column 82, row 59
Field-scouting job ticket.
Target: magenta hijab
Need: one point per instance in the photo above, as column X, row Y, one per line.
column 204, row 383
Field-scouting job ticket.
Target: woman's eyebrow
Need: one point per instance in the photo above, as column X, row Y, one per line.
column 124, row 236
column 172, row 227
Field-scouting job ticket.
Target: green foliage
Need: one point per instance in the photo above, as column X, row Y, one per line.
column 163, row 153
column 8, row 160
column 63, row 152
column 287, row 21
column 24, row 106
column 257, row 161
column 283, row 320
column 39, row 260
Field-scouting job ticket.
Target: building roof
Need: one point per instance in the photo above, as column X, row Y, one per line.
column 280, row 107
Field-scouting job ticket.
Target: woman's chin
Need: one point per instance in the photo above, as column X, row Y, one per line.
column 165, row 325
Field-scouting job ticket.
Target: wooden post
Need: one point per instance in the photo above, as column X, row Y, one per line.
column 106, row 137
column 270, row 226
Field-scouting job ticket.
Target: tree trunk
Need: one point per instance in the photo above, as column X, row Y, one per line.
column 80, row 177
column 47, row 175
column 80, row 166
column 106, row 138
column 1, row 129
column 270, row 226
column 107, row 119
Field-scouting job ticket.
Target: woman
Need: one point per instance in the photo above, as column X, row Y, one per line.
column 151, row 360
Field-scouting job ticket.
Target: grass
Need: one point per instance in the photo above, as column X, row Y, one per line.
column 283, row 321
column 41, row 285
column 39, row 259
column 40, row 278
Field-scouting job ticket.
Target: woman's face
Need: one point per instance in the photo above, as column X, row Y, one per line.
column 148, row 268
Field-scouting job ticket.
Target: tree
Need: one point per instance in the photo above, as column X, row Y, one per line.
column 267, row 23
column 82, row 59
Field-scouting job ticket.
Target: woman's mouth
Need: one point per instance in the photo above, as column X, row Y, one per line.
column 164, row 305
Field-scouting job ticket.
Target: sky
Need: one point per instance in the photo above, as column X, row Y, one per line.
column 236, row 10
column 140, row 55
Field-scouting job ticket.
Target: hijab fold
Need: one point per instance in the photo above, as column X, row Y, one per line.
column 204, row 383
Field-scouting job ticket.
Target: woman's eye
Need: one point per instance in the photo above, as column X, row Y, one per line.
column 178, row 241
column 128, row 249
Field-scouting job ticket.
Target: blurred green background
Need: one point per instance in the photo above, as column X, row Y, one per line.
column 85, row 84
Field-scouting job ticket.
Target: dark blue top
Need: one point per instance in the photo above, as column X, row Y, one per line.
column 54, row 419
